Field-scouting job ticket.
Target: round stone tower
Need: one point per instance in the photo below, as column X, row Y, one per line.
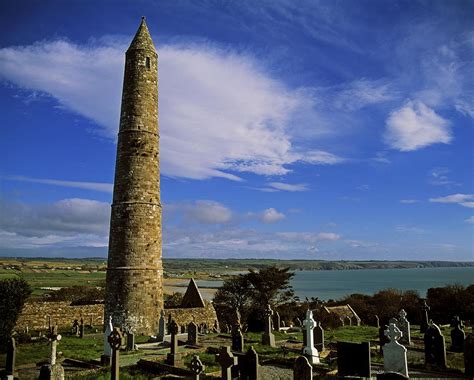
column 134, row 283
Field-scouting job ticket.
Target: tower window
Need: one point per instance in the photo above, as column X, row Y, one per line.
column 147, row 62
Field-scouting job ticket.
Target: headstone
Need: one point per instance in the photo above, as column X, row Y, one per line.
column 107, row 355
column 81, row 329
column 161, row 327
column 115, row 342
column 90, row 322
column 11, row 357
column 302, row 370
column 192, row 334
column 353, row 359
column 53, row 370
column 404, row 327
column 216, row 328
column 173, row 358
column 75, row 327
column 318, row 334
column 250, row 369
column 469, row 355
column 377, row 321
column 394, row 354
column 382, row 337
column 226, row 360
column 237, row 339
column 130, row 341
column 268, row 339
column 276, row 321
column 196, row 366
column 435, row 349
column 424, row 317
column 457, row 335
column 309, row 350
column 393, row 320
column 298, row 322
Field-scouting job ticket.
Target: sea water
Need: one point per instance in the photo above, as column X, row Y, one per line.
column 335, row 284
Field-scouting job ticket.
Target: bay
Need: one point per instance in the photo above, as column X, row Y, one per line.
column 335, row 284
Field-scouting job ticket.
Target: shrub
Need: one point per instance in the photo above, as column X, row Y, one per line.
column 13, row 294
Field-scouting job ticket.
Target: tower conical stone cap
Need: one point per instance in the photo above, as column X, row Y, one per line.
column 142, row 39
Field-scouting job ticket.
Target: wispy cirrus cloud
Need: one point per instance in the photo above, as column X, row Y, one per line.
column 466, row 200
column 236, row 121
column 409, row 201
column 95, row 186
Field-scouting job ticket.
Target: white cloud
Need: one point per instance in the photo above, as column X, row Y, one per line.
column 440, row 177
column 466, row 200
column 68, row 222
column 288, row 186
column 271, row 215
column 470, row 220
column 409, row 201
column 415, row 126
column 208, row 212
column 411, row 229
column 220, row 112
column 96, row 186
column 362, row 93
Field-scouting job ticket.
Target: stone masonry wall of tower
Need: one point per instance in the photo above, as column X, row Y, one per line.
column 134, row 283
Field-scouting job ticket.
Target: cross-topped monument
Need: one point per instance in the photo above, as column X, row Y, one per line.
column 226, row 360
column 309, row 350
column 268, row 338
column 394, row 354
column 115, row 342
column 196, row 367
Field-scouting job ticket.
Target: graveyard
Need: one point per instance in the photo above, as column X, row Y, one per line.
column 298, row 349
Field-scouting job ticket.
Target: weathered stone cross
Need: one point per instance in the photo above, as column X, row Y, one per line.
column 226, row 360
column 196, row 367
column 115, row 341
column 54, row 338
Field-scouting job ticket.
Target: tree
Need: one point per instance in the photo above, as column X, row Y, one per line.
column 13, row 294
column 249, row 293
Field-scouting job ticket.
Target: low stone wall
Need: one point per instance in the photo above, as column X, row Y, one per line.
column 199, row 315
column 36, row 315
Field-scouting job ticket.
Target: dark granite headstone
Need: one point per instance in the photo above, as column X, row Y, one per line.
column 226, row 360
column 276, row 321
column 302, row 370
column 250, row 367
column 193, row 334
column 130, row 341
column 353, row 359
column 318, row 334
column 435, row 349
column 11, row 357
column 237, row 339
column 457, row 335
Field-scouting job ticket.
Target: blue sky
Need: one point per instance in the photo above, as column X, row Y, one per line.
column 289, row 129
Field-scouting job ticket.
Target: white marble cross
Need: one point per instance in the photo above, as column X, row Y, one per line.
column 394, row 354
column 310, row 351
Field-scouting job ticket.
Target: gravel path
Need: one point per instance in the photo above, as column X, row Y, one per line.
column 275, row 373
